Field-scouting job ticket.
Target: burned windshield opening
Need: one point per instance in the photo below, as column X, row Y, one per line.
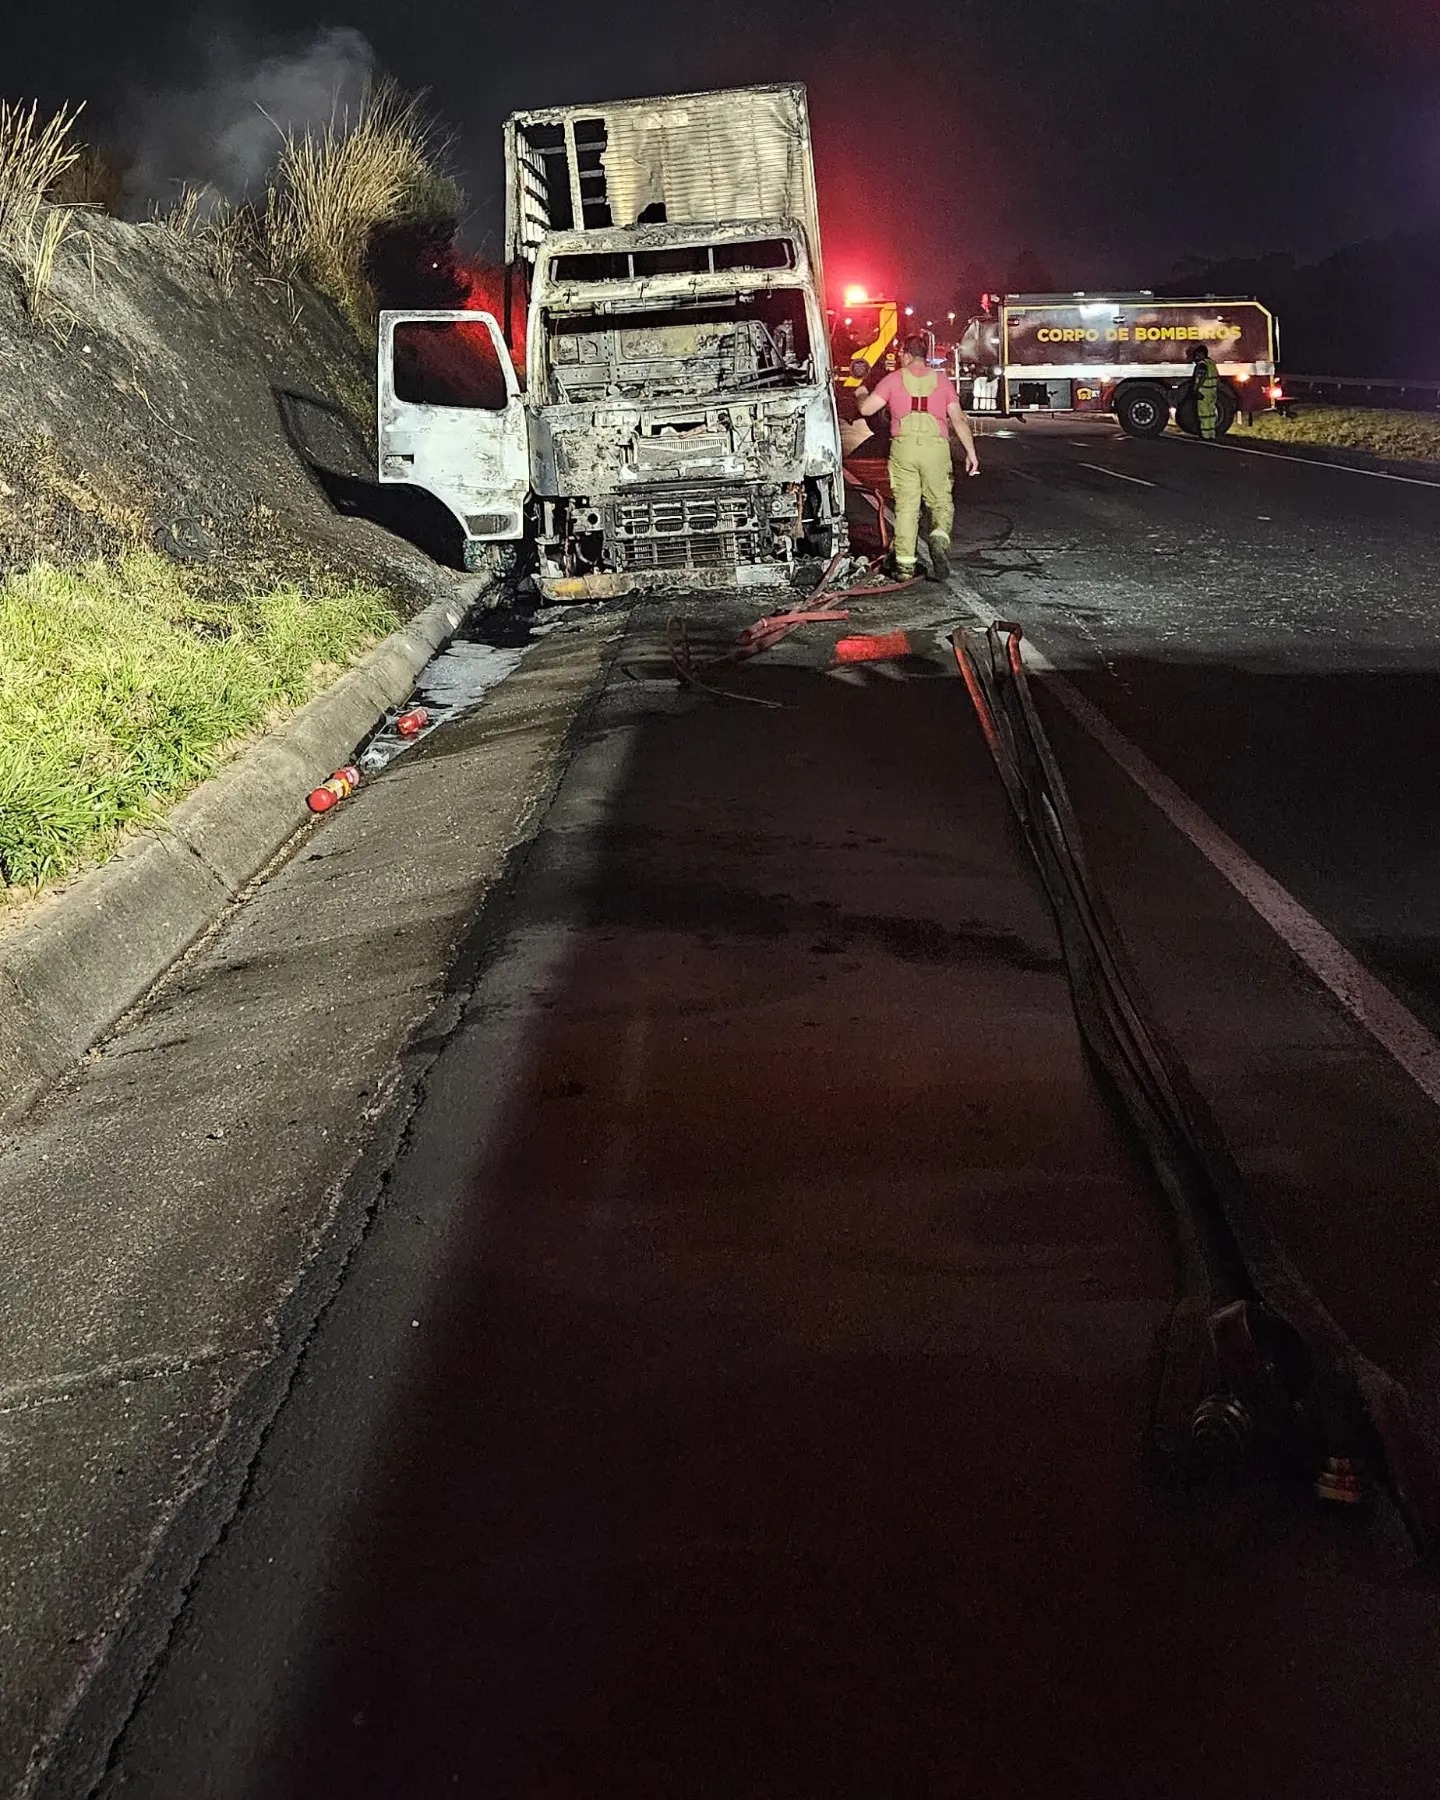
column 448, row 362
column 754, row 341
column 674, row 259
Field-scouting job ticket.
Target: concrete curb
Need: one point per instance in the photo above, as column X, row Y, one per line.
column 68, row 976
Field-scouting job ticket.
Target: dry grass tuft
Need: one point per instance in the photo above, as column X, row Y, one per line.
column 37, row 266
column 36, row 157
column 186, row 213
column 229, row 237
column 382, row 164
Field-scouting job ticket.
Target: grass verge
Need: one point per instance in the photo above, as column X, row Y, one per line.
column 121, row 686
column 1407, row 437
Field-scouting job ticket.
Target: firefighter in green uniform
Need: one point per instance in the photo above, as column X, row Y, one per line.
column 924, row 409
column 1205, row 386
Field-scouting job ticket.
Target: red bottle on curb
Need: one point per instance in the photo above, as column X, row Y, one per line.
column 330, row 793
column 412, row 723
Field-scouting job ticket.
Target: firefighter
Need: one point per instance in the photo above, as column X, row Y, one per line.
column 1205, row 386
column 924, row 408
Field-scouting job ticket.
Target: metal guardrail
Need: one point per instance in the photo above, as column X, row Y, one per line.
column 1353, row 390
column 1365, row 390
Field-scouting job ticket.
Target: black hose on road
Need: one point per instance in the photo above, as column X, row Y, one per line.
column 1252, row 1356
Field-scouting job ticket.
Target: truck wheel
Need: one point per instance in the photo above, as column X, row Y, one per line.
column 1143, row 410
column 1188, row 419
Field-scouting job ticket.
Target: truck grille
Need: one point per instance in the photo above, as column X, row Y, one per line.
column 706, row 550
column 668, row 451
column 709, row 527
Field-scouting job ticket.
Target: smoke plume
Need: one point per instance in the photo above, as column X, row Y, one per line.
column 222, row 130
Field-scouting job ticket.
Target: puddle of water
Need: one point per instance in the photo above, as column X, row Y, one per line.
column 461, row 676
column 453, row 682
column 487, row 649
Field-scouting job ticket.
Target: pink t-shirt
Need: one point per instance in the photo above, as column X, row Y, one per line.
column 893, row 392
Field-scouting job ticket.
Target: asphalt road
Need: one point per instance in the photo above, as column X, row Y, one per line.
column 1264, row 629
column 1268, row 630
column 742, row 1388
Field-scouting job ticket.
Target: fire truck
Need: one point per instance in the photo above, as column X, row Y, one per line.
column 870, row 331
column 1126, row 355
column 864, row 330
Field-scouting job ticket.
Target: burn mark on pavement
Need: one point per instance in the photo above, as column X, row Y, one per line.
column 637, row 901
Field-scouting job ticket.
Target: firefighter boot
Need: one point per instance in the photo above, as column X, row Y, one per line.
column 939, row 555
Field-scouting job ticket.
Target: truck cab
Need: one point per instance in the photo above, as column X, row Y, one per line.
column 677, row 424
column 684, row 424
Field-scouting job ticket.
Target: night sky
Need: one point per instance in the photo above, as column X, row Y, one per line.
column 1109, row 136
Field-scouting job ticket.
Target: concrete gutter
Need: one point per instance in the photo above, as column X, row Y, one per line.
column 177, row 1208
column 91, row 953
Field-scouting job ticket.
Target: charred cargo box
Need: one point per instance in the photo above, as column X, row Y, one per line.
column 678, row 421
column 1124, row 354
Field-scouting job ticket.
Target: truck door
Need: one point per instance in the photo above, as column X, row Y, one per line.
column 452, row 418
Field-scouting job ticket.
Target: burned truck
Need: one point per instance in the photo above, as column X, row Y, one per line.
column 1127, row 355
column 677, row 425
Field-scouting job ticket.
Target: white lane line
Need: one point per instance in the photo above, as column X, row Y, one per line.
column 1100, row 469
column 1367, row 1000
column 1306, row 462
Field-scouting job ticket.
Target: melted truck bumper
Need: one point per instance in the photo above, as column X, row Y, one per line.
column 610, row 585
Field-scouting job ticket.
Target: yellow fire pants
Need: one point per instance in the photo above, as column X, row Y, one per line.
column 920, row 468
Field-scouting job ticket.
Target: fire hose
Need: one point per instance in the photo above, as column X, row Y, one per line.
column 1253, row 1360
column 765, row 633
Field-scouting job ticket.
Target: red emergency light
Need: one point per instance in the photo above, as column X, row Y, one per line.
column 856, row 296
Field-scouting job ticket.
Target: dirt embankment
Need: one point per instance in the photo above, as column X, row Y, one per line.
column 216, row 415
